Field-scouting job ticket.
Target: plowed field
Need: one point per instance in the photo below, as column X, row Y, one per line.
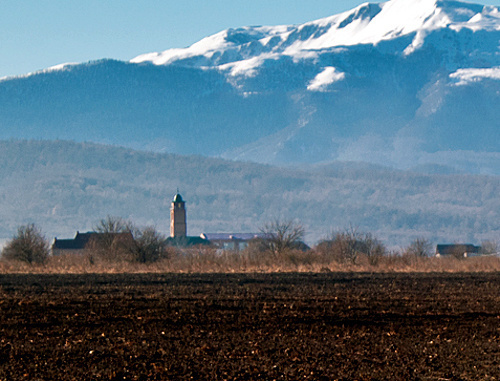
column 250, row 327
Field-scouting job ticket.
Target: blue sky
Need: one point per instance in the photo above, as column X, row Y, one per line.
column 36, row 34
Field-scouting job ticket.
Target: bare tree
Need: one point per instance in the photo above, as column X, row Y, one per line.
column 348, row 243
column 281, row 236
column 490, row 247
column 112, row 225
column 374, row 250
column 347, row 246
column 459, row 251
column 148, row 246
column 113, row 241
column 419, row 247
column 28, row 245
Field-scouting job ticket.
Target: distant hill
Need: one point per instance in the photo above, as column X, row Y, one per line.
column 65, row 186
column 405, row 83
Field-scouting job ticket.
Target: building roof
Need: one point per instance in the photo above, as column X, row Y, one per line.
column 233, row 236
column 77, row 243
column 82, row 239
column 177, row 198
column 186, row 241
column 457, row 248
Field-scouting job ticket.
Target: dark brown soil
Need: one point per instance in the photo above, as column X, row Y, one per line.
column 250, row 327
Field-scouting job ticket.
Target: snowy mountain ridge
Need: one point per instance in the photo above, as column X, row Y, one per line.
column 242, row 50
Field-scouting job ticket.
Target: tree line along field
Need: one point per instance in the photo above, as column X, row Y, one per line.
column 289, row 326
column 120, row 247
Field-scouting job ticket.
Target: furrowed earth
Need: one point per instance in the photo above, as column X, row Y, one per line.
column 288, row 326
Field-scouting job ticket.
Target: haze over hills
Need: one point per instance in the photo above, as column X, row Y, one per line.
column 404, row 83
column 64, row 187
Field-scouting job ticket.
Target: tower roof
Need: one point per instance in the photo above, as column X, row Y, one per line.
column 178, row 198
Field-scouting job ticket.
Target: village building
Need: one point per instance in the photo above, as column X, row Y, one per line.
column 458, row 250
column 233, row 241
column 83, row 241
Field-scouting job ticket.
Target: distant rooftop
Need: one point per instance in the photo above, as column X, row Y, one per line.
column 233, row 236
column 186, row 241
column 457, row 248
column 82, row 239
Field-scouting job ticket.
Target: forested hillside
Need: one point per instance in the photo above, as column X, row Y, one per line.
column 65, row 186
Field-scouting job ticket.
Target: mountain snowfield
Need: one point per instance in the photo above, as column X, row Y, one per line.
column 243, row 50
column 404, row 83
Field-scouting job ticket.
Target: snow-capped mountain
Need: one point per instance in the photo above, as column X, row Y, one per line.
column 405, row 83
column 243, row 50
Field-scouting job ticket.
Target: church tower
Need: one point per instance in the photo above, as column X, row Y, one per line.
column 178, row 226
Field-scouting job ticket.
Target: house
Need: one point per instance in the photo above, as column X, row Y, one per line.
column 232, row 241
column 71, row 246
column 457, row 250
column 82, row 241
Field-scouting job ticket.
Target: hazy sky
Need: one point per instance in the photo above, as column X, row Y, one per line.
column 36, row 34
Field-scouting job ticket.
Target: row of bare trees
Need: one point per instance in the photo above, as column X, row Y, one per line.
column 119, row 240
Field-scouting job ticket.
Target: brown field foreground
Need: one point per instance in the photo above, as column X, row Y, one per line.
column 261, row 326
column 208, row 260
